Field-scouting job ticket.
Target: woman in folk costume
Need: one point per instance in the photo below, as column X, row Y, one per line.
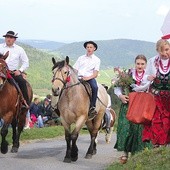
column 159, row 70
column 129, row 135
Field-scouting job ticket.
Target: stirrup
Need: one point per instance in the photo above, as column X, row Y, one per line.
column 92, row 113
column 24, row 105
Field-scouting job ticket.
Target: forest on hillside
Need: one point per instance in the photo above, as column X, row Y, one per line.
column 112, row 53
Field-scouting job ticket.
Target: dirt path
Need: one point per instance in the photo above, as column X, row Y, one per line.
column 49, row 154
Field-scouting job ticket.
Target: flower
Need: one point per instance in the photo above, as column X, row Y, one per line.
column 124, row 79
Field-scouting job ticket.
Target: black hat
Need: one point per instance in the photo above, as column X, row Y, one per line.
column 90, row 42
column 11, row 34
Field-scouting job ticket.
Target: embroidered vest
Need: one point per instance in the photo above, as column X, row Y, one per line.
column 161, row 82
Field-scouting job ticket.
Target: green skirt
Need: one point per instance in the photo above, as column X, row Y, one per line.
column 129, row 135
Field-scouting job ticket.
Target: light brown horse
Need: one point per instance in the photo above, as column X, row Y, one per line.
column 73, row 104
column 10, row 108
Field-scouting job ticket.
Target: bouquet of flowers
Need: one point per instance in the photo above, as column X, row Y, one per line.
column 124, row 79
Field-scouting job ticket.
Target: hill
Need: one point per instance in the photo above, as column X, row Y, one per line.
column 39, row 72
column 118, row 52
column 43, row 44
column 112, row 53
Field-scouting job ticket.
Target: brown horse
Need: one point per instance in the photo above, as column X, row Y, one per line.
column 10, row 108
column 112, row 122
column 73, row 105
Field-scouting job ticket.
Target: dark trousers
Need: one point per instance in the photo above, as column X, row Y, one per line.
column 94, row 88
column 107, row 118
column 22, row 84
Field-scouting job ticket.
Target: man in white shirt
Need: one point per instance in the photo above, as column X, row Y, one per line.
column 87, row 67
column 17, row 62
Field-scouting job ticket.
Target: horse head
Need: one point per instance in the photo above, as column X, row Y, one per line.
column 3, row 70
column 61, row 75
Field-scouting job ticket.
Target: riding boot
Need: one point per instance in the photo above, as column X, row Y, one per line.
column 14, row 83
column 92, row 113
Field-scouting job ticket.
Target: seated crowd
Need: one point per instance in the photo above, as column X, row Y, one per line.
column 39, row 113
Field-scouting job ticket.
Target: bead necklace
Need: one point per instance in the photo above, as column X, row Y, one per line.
column 139, row 77
column 164, row 68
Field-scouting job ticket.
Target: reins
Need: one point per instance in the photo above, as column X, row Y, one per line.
column 72, row 85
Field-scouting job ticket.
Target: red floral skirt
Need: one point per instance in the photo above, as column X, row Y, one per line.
column 159, row 129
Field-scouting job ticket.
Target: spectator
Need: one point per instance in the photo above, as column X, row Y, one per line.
column 44, row 112
column 34, row 110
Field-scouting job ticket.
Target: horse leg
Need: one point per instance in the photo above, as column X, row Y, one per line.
column 92, row 148
column 67, row 157
column 79, row 124
column 109, row 135
column 14, row 136
column 74, row 149
column 4, row 143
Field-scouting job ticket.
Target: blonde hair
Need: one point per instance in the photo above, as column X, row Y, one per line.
column 142, row 57
column 160, row 43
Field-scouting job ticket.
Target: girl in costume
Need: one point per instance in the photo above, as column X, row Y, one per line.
column 159, row 70
column 129, row 135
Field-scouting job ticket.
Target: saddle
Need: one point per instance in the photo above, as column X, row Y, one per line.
column 88, row 90
column 92, row 112
column 20, row 95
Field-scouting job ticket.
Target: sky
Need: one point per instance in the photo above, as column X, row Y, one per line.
column 82, row 20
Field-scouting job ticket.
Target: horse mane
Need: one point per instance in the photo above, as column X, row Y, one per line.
column 61, row 64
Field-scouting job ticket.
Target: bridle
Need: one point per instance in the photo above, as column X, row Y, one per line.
column 57, row 78
column 64, row 81
column 3, row 75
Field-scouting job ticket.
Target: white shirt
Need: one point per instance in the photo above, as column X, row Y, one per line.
column 17, row 59
column 151, row 69
column 85, row 65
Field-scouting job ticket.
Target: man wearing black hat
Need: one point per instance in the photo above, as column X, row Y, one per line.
column 17, row 61
column 87, row 67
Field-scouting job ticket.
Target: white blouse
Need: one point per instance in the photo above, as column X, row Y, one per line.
column 144, row 85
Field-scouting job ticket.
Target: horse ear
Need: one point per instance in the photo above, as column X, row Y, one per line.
column 67, row 60
column 6, row 55
column 53, row 60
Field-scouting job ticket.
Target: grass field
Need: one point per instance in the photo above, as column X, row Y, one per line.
column 38, row 133
column 155, row 159
column 104, row 77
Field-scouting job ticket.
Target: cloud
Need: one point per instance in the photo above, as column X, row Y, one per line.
column 163, row 10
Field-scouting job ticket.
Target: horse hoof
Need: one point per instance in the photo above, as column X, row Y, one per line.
column 4, row 150
column 88, row 156
column 4, row 147
column 94, row 152
column 14, row 150
column 67, row 160
column 107, row 141
column 74, row 159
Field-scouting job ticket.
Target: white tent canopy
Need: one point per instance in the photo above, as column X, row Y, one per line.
column 166, row 27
